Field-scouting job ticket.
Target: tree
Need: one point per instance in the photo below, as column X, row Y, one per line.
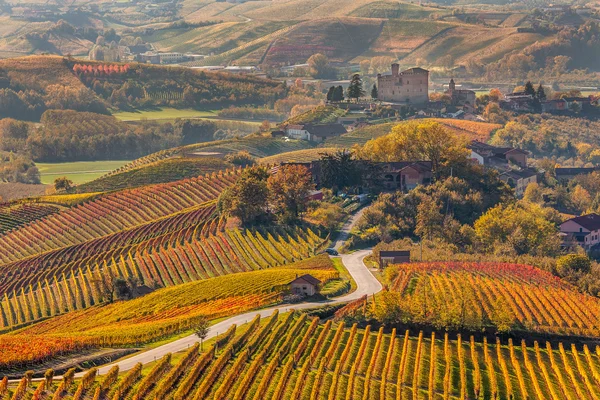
column 341, row 170
column 122, row 289
column 318, row 65
column 573, row 263
column 288, row 191
column 522, row 228
column 247, row 199
column 63, row 184
column 374, row 92
column 241, row 158
column 201, row 329
column 529, row 89
column 338, row 94
column 107, row 286
column 430, row 221
column 265, row 126
column 413, row 141
column 330, row 93
column 540, row 94
column 355, row 90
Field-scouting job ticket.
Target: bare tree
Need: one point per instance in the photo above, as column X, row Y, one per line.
column 202, row 329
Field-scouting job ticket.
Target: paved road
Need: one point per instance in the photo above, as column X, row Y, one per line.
column 367, row 284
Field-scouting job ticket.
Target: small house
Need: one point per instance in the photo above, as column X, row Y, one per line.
column 387, row 257
column 305, row 285
column 576, row 230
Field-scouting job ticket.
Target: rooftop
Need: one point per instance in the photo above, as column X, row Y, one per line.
column 311, row 280
column 591, row 222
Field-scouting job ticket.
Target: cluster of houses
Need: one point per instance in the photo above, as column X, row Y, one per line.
column 523, row 102
column 510, row 162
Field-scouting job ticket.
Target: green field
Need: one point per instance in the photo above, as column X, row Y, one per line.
column 164, row 114
column 79, row 172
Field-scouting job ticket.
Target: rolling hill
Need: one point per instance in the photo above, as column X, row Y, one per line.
column 293, row 356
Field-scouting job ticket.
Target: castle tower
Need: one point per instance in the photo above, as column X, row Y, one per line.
column 395, row 69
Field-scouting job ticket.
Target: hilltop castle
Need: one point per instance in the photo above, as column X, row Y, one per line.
column 410, row 86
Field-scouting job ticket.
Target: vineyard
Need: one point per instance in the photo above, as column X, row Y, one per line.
column 292, row 357
column 162, row 171
column 156, row 316
column 257, row 146
column 13, row 215
column 300, row 156
column 525, row 297
column 109, row 214
column 195, row 251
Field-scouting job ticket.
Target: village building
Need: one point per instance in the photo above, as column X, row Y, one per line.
column 460, row 97
column 314, row 133
column 576, row 230
column 566, row 174
column 387, row 257
column 406, row 175
column 403, row 175
column 496, row 157
column 592, row 239
column 410, row 86
column 305, row 285
column 519, row 179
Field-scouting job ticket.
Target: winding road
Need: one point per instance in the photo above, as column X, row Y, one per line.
column 366, row 284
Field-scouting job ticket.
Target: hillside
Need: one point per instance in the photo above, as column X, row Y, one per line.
column 516, row 297
column 162, row 171
column 292, row 356
column 257, row 146
column 481, row 131
column 166, row 312
column 298, row 156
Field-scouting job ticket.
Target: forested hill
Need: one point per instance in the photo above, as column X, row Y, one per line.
column 31, row 85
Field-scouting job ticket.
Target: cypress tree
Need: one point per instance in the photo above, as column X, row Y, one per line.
column 374, row 92
column 330, row 93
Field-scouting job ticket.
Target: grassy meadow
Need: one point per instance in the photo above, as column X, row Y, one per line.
column 79, row 172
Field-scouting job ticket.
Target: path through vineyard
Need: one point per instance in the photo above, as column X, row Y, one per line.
column 366, row 284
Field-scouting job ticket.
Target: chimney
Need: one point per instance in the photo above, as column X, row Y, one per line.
column 395, row 69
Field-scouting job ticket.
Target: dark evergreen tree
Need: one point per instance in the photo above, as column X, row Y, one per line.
column 330, row 93
column 355, row 90
column 541, row 93
column 374, row 92
column 529, row 89
column 338, row 94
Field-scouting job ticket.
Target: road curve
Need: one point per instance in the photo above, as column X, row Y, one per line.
column 366, row 283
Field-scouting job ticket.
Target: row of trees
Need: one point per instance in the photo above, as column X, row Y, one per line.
column 355, row 91
column 73, row 136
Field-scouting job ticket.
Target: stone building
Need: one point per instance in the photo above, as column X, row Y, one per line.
column 410, row 86
column 460, row 97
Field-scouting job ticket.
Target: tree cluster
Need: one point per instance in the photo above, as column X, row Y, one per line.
column 258, row 195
